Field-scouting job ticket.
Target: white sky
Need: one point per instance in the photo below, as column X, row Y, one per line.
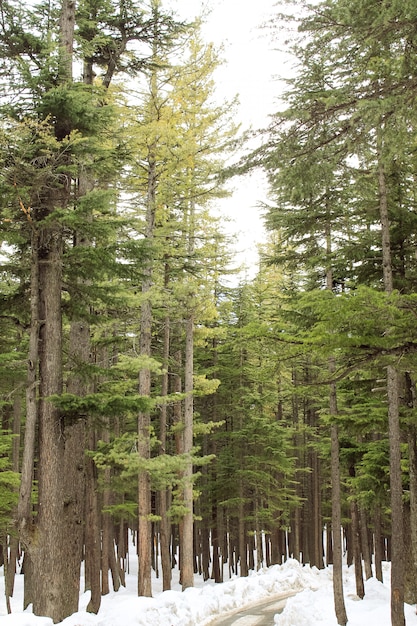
column 250, row 65
column 250, row 61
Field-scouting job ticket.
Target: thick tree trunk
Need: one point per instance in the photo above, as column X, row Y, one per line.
column 54, row 581
column 24, row 510
column 51, row 597
column 66, row 36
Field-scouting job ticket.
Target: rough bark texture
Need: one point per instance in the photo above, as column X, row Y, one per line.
column 24, row 510
column 47, row 544
column 74, row 464
column 66, row 36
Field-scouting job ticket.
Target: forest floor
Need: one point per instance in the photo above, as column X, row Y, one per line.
column 207, row 603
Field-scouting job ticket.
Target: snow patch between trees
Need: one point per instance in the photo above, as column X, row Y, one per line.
column 198, row 606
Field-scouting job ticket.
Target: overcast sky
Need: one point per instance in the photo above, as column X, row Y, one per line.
column 249, row 70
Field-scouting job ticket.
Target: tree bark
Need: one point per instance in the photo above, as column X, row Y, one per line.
column 11, row 555
column 144, row 420
column 339, row 602
column 394, row 432
column 163, row 494
column 397, row 524
column 24, row 510
column 378, row 543
column 243, row 558
column 360, row 588
column 92, row 537
column 74, row 463
column 144, row 483
column 366, row 549
column 51, row 596
column 410, row 591
column 187, row 561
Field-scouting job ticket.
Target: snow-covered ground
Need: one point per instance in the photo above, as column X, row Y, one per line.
column 311, row 606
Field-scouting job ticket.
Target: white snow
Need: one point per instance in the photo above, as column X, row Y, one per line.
column 199, row 606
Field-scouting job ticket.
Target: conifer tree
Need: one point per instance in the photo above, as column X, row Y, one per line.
column 340, row 120
column 62, row 121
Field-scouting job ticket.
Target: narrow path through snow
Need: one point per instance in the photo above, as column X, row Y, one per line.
column 259, row 613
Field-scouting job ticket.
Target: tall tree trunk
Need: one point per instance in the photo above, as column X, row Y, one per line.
column 144, row 452
column 339, row 602
column 74, row 463
column 144, row 419
column 54, row 584
column 244, row 570
column 12, row 549
column 410, row 591
column 378, row 543
column 187, row 561
column 394, row 431
column 411, row 578
column 316, row 511
column 92, row 538
column 51, row 597
column 24, row 508
column 397, row 523
column 360, row 588
column 163, row 494
column 366, row 549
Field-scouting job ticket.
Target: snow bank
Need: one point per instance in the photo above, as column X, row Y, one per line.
column 312, row 606
column 316, row 608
